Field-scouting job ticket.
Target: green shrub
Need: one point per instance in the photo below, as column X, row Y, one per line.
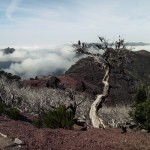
column 14, row 113
column 37, row 123
column 141, row 111
column 57, row 118
column 2, row 108
column 140, row 94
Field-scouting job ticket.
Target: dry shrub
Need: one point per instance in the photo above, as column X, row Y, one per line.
column 37, row 100
column 41, row 99
column 114, row 115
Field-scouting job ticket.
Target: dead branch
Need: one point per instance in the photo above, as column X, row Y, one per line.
column 107, row 56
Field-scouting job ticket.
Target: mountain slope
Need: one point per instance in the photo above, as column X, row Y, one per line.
column 137, row 71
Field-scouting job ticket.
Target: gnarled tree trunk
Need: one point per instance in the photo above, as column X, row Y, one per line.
column 96, row 121
column 110, row 58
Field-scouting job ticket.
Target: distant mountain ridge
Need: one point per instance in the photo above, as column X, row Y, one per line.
column 137, row 44
column 6, row 64
column 8, row 50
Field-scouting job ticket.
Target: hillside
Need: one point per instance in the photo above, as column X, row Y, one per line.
column 137, row 71
column 86, row 76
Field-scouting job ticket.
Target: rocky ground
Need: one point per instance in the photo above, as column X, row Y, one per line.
column 60, row 139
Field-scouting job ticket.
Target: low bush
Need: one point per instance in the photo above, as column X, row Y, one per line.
column 141, row 110
column 13, row 113
column 57, row 118
column 140, row 94
column 37, row 123
column 2, row 108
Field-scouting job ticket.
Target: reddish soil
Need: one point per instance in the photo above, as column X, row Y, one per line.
column 35, row 83
column 67, row 80
column 41, row 82
column 60, row 139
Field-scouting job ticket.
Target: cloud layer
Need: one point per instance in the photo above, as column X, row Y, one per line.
column 31, row 62
column 34, row 61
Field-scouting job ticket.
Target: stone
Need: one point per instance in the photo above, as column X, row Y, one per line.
column 18, row 141
column 7, row 143
column 79, row 128
column 144, row 131
column 3, row 135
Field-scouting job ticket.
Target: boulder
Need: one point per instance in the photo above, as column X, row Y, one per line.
column 18, row 141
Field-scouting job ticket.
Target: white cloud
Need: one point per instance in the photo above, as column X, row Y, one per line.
column 32, row 62
column 11, row 9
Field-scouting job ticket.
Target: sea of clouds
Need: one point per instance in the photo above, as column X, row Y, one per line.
column 34, row 61
column 137, row 48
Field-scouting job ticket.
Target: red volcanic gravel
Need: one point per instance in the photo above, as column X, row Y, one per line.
column 60, row 139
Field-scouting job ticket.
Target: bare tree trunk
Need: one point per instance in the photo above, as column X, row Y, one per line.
column 97, row 122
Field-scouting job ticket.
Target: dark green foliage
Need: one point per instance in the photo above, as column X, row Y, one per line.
column 37, row 123
column 140, row 95
column 141, row 111
column 15, row 77
column 9, row 76
column 2, row 108
column 14, row 113
column 57, row 118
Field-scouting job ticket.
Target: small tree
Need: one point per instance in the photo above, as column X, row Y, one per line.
column 59, row 117
column 106, row 56
column 141, row 111
column 140, row 94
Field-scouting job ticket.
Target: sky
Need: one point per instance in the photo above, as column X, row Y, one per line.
column 42, row 31
column 52, row 22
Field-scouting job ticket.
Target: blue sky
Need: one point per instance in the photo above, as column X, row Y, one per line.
column 44, row 22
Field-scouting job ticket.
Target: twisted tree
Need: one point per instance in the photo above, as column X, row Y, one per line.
column 106, row 56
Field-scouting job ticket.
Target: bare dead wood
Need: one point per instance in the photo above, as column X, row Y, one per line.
column 111, row 57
